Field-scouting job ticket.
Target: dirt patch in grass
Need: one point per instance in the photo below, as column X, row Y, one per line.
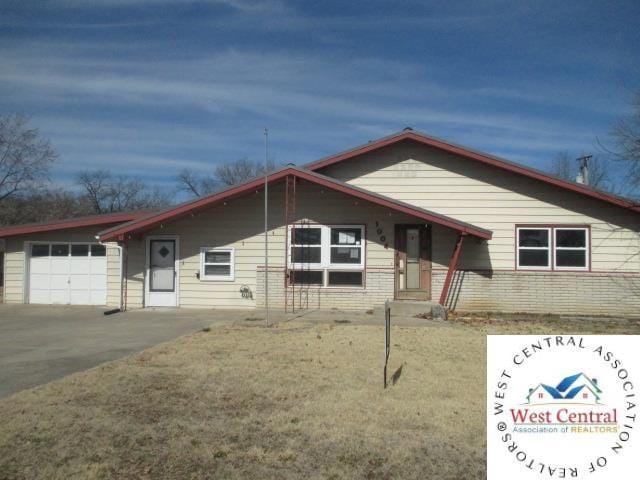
column 298, row 400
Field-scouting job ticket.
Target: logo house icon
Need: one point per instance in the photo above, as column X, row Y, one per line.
column 578, row 388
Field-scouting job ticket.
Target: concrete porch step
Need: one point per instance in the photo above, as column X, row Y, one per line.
column 411, row 308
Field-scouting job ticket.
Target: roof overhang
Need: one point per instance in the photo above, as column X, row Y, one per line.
column 94, row 220
column 139, row 226
column 421, row 138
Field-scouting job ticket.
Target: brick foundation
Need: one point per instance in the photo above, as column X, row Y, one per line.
column 379, row 287
column 587, row 293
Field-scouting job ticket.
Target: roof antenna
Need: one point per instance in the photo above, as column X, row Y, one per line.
column 266, row 224
column 583, row 176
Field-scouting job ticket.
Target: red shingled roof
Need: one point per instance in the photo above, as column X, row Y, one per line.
column 89, row 221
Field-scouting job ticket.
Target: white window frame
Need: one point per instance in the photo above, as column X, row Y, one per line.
column 325, row 249
column 361, row 246
column 547, row 248
column 306, row 265
column 231, row 263
column 585, row 249
column 325, row 253
column 553, row 248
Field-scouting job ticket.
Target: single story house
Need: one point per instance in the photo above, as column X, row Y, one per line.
column 406, row 217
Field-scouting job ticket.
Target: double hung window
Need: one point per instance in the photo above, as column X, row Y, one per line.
column 326, row 255
column 552, row 248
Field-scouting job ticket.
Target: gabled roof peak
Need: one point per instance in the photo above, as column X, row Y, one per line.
column 408, row 134
column 150, row 221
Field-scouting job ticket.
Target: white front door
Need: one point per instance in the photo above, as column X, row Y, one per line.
column 162, row 272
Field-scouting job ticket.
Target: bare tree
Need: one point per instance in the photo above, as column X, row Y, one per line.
column 566, row 166
column 224, row 175
column 233, row 173
column 626, row 136
column 600, row 176
column 196, row 184
column 106, row 193
column 25, row 157
column 563, row 166
column 42, row 205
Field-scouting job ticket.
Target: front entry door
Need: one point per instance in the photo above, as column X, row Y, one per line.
column 162, row 273
column 413, row 262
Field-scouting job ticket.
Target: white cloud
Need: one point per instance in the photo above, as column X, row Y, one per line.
column 270, row 85
column 316, row 105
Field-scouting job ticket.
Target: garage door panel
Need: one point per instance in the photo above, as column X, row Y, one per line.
column 59, row 281
column 80, row 297
column 39, row 296
column 77, row 280
column 98, row 282
column 79, row 266
column 59, row 296
column 59, row 265
column 98, row 264
column 98, row 297
column 40, row 265
column 39, row 281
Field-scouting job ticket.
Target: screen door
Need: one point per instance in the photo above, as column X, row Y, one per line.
column 413, row 262
column 162, row 273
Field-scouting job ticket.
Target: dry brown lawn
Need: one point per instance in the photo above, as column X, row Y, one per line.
column 298, row 400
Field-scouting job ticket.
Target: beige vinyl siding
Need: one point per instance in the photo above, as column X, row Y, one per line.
column 16, row 268
column 14, row 271
column 494, row 199
column 239, row 224
column 135, row 273
column 113, row 274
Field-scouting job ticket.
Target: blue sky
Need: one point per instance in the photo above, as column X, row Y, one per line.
column 148, row 87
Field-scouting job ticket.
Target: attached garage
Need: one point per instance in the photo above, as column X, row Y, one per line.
column 61, row 262
column 67, row 273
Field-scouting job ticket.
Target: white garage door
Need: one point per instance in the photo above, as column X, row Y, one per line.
column 68, row 273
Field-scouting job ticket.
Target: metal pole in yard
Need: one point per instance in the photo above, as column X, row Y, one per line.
column 387, row 338
column 266, row 223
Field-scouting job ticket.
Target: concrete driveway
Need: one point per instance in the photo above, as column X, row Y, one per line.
column 39, row 344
